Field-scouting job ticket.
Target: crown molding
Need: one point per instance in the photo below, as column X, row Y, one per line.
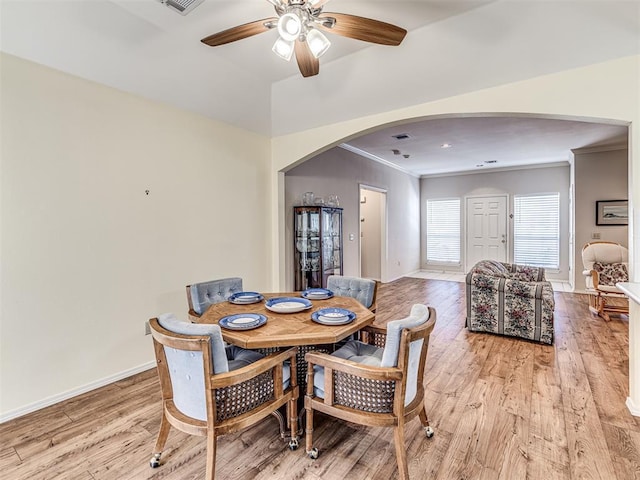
column 601, row 148
column 499, row 169
column 375, row 158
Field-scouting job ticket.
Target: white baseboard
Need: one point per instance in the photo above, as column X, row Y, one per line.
column 633, row 408
column 389, row 280
column 18, row 412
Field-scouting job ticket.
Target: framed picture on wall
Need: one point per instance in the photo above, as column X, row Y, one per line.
column 612, row 212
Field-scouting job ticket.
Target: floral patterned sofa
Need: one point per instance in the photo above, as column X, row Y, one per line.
column 510, row 299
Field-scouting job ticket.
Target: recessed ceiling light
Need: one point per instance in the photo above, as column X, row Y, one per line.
column 395, row 152
column 401, row 136
column 446, row 145
column 480, row 165
column 491, row 161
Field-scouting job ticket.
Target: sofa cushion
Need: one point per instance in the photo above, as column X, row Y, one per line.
column 238, row 357
column 611, row 273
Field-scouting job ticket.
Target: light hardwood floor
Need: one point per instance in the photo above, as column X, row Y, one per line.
column 501, row 408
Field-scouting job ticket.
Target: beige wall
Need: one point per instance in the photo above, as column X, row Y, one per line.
column 86, row 256
column 341, row 172
column 599, row 175
column 510, row 183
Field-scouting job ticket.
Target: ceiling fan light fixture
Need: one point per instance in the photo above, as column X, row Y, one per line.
column 290, row 26
column 318, row 43
column 283, row 48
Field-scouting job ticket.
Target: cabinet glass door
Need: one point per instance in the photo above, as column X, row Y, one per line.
column 307, row 255
column 318, row 245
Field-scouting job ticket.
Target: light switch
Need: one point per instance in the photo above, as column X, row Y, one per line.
column 352, row 237
column 595, row 235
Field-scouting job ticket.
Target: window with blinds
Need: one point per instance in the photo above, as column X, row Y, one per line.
column 536, row 229
column 443, row 231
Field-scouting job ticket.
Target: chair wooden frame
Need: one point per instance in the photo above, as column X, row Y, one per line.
column 213, row 427
column 194, row 317
column 374, row 300
column 399, row 414
column 598, row 297
column 598, row 301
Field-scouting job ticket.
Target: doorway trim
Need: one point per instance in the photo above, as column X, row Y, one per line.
column 383, row 229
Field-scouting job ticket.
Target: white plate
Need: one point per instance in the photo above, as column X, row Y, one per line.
column 317, row 294
column 243, row 321
column 245, row 298
column 287, row 304
column 333, row 316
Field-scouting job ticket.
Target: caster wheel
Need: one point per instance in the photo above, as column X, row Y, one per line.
column 293, row 444
column 429, row 431
column 313, row 453
column 155, row 461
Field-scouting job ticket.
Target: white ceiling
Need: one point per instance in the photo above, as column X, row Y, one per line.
column 481, row 143
column 453, row 47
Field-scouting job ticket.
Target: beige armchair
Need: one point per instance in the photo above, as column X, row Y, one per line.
column 211, row 390
column 605, row 264
column 378, row 382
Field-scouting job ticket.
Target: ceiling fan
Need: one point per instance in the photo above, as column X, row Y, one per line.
column 299, row 24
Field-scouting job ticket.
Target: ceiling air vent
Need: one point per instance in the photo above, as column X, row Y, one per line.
column 401, row 136
column 181, row 6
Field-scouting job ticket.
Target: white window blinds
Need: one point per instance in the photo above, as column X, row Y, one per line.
column 536, row 230
column 443, row 231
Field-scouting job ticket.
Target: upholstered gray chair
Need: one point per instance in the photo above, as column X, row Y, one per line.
column 209, row 389
column 204, row 294
column 378, row 382
column 362, row 289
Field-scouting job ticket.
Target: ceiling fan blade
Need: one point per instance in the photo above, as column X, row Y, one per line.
column 240, row 32
column 308, row 64
column 365, row 29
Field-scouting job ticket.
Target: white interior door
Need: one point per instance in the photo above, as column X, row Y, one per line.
column 486, row 229
column 372, row 228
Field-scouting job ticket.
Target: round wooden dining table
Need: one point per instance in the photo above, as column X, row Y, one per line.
column 289, row 329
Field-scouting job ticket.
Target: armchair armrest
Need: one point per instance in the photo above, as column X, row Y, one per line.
column 353, row 368
column 337, row 384
column 595, row 277
column 274, row 360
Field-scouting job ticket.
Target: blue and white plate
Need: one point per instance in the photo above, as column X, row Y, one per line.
column 245, row 298
column 243, row 321
column 333, row 316
column 317, row 294
column 287, row 304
